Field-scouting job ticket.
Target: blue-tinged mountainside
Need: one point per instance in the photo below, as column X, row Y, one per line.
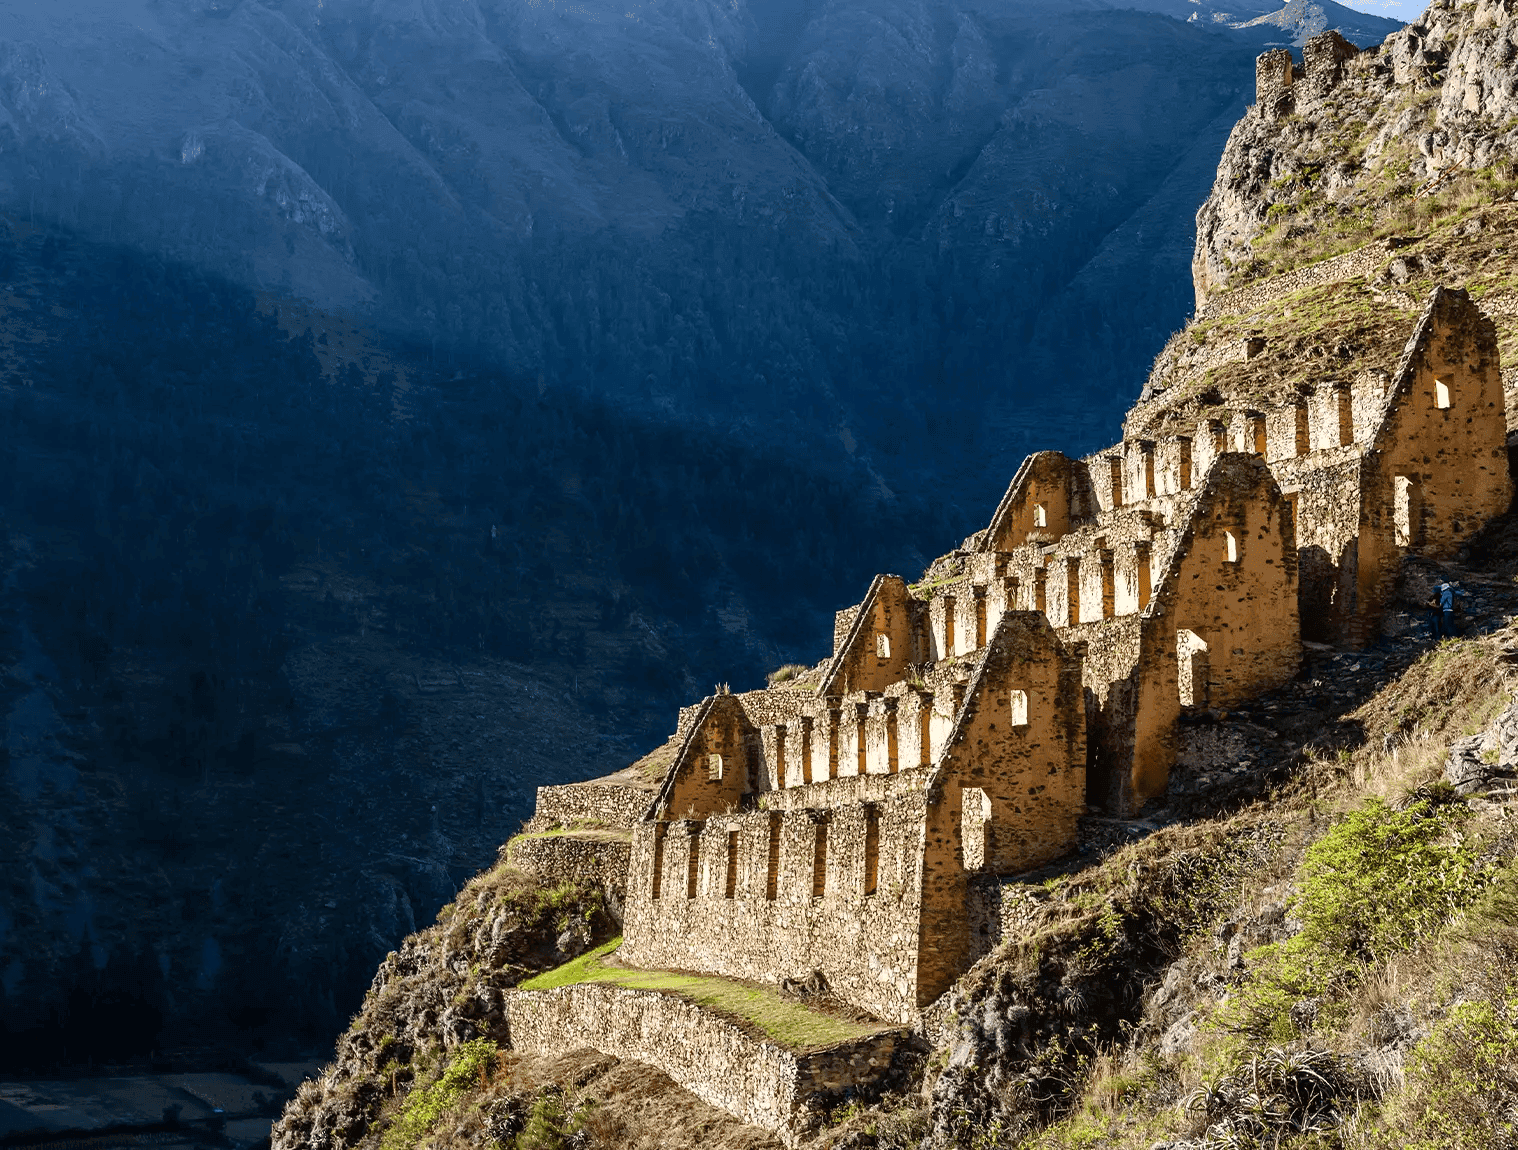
column 409, row 402
column 858, row 224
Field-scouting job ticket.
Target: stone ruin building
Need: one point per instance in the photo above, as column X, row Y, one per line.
column 851, row 827
column 839, row 824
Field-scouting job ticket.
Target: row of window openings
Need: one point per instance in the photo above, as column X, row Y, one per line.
column 1017, row 708
column 1232, row 551
column 1017, row 716
column 772, row 876
column 1255, row 433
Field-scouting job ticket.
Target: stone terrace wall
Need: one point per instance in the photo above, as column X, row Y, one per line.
column 555, row 859
column 756, row 1081
column 581, row 803
column 1351, row 265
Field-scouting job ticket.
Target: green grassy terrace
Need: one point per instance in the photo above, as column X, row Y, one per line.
column 781, row 1020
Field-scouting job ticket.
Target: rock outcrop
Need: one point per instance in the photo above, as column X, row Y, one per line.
column 1350, row 130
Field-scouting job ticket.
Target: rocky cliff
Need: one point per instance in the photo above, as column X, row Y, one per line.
column 1343, row 147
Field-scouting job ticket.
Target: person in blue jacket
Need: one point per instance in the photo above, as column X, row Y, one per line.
column 1442, row 609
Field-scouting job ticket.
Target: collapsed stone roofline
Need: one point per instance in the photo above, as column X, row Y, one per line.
column 1277, row 75
column 856, row 629
column 1336, row 414
column 1229, row 472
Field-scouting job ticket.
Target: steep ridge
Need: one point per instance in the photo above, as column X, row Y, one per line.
column 834, row 227
column 1310, row 939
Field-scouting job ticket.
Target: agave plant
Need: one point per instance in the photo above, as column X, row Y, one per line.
column 1275, row 1094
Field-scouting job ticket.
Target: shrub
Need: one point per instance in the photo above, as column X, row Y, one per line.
column 1462, row 1080
column 786, row 673
column 1384, row 878
column 550, row 1124
column 1275, row 1095
column 1373, row 885
column 468, row 1068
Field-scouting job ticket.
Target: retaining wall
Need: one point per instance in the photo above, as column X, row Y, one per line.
column 756, row 1081
column 1351, row 265
column 555, row 859
column 581, row 803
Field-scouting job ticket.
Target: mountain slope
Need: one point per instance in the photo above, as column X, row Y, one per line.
column 823, row 211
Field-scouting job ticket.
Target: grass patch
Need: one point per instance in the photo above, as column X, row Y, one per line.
column 788, row 1023
column 787, row 673
column 588, row 833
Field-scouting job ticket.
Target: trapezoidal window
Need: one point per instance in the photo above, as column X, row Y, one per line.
column 1191, row 668
column 882, row 646
column 1018, row 701
column 732, row 865
column 714, row 768
column 772, row 876
column 1230, row 547
column 1040, row 515
column 1407, row 514
column 975, row 813
column 693, row 867
column 871, row 850
column 658, row 877
column 1441, row 394
column 820, row 860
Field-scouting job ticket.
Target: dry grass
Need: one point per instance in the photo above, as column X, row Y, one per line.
column 590, row 1101
column 655, row 765
column 1131, row 1096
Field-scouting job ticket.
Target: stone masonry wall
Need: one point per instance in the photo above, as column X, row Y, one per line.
column 555, row 859
column 1228, row 604
column 782, row 894
column 759, row 1082
column 880, row 644
column 1438, row 467
column 582, row 804
column 1358, row 264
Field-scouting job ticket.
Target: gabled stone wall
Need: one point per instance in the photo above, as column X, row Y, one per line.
column 881, row 643
column 1038, row 501
column 716, row 765
column 1006, row 792
column 1437, row 468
